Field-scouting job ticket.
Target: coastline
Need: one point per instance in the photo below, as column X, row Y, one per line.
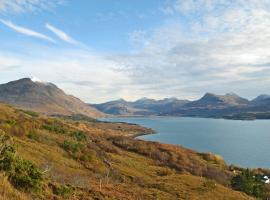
column 232, row 117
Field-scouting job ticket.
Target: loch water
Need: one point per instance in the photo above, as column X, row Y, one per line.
column 242, row 143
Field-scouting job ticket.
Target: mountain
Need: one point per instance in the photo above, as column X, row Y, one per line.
column 260, row 104
column 160, row 106
column 210, row 105
column 43, row 97
column 120, row 107
column 210, row 100
column 141, row 107
column 262, row 100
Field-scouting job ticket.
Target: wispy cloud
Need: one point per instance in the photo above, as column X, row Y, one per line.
column 19, row 6
column 26, row 31
column 62, row 35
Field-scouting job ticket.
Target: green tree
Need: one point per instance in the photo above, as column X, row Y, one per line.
column 249, row 183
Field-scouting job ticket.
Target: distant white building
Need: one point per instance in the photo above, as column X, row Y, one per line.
column 266, row 179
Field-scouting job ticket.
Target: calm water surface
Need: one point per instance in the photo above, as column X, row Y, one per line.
column 243, row 143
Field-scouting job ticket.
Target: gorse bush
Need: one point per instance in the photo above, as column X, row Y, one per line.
column 21, row 173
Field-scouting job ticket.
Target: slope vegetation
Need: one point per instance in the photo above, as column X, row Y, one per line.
column 57, row 158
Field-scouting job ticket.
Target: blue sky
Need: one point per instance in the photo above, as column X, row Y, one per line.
column 100, row 50
column 102, row 25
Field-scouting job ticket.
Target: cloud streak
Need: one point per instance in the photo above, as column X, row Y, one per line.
column 20, row 6
column 62, row 35
column 26, row 31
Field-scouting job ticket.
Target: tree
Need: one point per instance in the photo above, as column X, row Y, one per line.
column 249, row 183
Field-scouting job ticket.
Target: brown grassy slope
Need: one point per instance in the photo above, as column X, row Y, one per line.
column 98, row 161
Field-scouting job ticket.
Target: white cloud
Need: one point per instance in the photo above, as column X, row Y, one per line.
column 19, row 6
column 220, row 46
column 62, row 35
column 8, row 62
column 201, row 46
column 26, row 31
column 78, row 72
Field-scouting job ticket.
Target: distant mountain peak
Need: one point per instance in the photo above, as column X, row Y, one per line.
column 261, row 97
column 232, row 94
column 122, row 100
column 47, row 98
column 144, row 99
column 29, row 81
column 209, row 95
column 37, row 80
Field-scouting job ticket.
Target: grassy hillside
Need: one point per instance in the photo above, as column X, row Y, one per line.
column 57, row 158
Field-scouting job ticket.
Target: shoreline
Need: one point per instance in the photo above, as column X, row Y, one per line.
column 229, row 118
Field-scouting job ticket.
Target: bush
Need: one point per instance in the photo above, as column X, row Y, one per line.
column 249, row 183
column 31, row 113
column 55, row 127
column 63, row 190
column 33, row 136
column 72, row 147
column 78, row 135
column 21, row 173
column 11, row 122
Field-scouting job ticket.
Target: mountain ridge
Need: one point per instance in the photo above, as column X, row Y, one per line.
column 209, row 105
column 43, row 97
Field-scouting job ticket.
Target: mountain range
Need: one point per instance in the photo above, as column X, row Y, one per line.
column 43, row 97
column 47, row 98
column 210, row 105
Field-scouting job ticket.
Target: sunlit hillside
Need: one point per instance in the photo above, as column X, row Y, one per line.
column 57, row 158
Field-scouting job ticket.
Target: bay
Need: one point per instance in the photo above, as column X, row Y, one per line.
column 242, row 143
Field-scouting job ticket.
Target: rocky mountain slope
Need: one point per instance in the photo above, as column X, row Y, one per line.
column 43, row 97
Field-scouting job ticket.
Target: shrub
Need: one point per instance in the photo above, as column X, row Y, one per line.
column 88, row 157
column 249, row 183
column 55, row 127
column 78, row 135
column 21, row 173
column 63, row 190
column 11, row 122
column 72, row 147
column 214, row 159
column 33, row 136
column 31, row 113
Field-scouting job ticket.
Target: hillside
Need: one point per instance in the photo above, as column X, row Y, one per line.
column 53, row 158
column 210, row 100
column 141, row 107
column 43, row 97
column 121, row 107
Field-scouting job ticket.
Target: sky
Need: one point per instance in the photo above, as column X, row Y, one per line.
column 100, row 50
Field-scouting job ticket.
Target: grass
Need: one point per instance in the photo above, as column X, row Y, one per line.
column 95, row 160
column 8, row 192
